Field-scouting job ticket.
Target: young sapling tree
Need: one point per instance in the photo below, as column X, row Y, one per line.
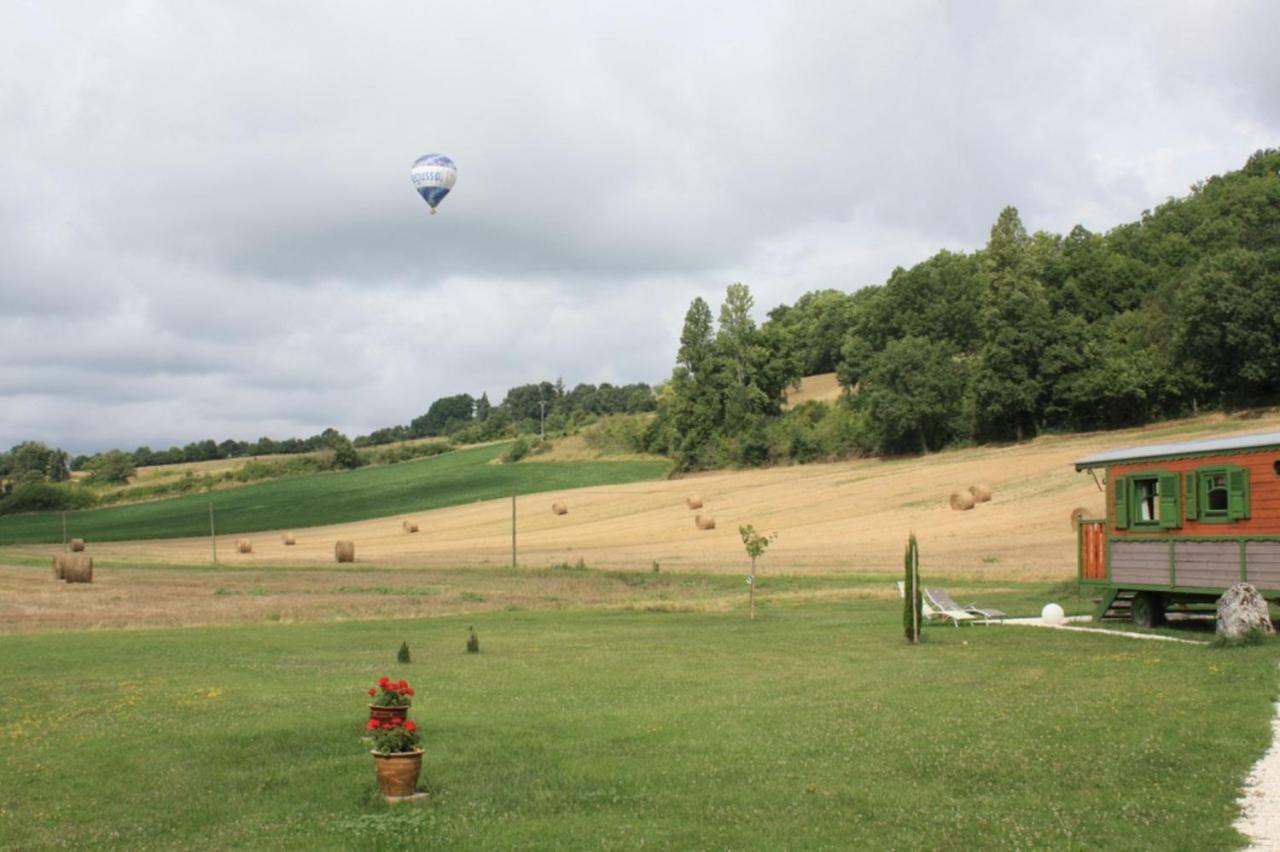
column 756, row 544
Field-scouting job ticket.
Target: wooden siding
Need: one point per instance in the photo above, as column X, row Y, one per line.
column 1093, row 557
column 1206, row 563
column 1264, row 490
column 1140, row 562
column 1263, row 558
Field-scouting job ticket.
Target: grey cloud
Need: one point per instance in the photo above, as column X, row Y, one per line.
column 207, row 205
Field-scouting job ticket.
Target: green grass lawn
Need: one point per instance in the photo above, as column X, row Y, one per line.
column 814, row 727
column 463, row 476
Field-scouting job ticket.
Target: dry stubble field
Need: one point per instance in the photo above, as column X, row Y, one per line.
column 850, row 517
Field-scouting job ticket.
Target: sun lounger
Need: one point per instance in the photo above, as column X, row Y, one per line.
column 935, row 610
column 940, row 599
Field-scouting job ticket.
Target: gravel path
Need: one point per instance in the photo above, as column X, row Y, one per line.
column 1260, row 803
column 1037, row 622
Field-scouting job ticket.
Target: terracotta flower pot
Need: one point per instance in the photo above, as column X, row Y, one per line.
column 398, row 773
column 386, row 714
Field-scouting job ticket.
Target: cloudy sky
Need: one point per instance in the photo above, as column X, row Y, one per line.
column 207, row 227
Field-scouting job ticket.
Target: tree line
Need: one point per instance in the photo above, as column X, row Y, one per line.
column 526, row 409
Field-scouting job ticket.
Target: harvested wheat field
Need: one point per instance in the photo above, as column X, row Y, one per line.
column 850, row 516
column 823, row 387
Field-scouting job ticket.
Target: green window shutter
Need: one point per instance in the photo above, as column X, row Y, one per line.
column 1193, row 495
column 1120, row 503
column 1237, row 493
column 1170, row 514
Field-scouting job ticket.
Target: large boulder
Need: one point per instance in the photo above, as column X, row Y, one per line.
column 1240, row 610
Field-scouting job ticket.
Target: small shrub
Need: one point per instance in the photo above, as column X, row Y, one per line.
column 473, row 642
column 344, row 452
column 519, row 448
column 656, row 568
column 523, row 447
column 402, row 656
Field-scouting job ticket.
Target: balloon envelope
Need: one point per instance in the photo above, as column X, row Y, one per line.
column 433, row 176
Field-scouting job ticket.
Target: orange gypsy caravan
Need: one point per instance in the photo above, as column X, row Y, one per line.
column 1185, row 522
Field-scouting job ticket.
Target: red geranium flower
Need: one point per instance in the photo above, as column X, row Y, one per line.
column 396, row 720
column 409, row 726
column 373, row 691
column 373, row 723
column 384, row 681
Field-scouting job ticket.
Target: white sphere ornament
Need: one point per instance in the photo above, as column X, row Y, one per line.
column 1052, row 614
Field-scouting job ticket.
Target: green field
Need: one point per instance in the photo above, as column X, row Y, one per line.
column 813, row 727
column 463, row 476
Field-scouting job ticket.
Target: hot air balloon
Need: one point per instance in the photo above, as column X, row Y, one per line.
column 433, row 175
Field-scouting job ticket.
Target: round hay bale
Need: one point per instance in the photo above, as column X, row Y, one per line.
column 243, row 545
column 289, row 540
column 704, row 523
column 345, row 551
column 560, row 508
column 60, row 566
column 76, row 545
column 981, row 493
column 961, row 502
column 693, row 502
column 78, row 569
column 1078, row 514
column 409, row 527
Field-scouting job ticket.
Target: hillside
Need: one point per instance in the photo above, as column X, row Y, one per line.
column 463, row 476
column 852, row 516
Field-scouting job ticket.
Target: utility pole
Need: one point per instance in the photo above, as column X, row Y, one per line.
column 542, row 420
column 513, row 531
column 213, row 538
column 64, row 532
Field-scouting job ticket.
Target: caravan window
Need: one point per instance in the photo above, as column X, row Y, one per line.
column 1215, row 493
column 1146, row 501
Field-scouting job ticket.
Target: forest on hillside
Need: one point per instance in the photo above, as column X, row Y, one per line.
column 1174, row 313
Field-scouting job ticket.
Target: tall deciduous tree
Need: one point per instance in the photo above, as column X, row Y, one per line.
column 912, row 395
column 1015, row 325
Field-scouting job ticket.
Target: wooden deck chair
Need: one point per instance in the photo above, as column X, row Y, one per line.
column 938, row 606
column 986, row 614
